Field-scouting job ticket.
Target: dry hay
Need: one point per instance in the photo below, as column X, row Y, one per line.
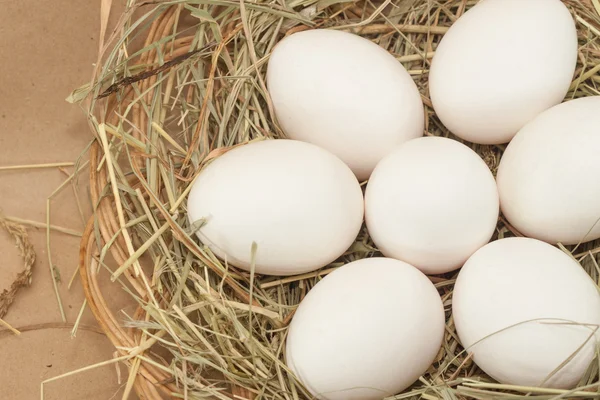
column 180, row 83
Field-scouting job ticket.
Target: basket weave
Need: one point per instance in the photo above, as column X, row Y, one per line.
column 150, row 381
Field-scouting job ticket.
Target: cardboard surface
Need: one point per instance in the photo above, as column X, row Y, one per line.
column 47, row 50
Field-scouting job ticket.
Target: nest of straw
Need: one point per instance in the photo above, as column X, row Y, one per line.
column 180, row 83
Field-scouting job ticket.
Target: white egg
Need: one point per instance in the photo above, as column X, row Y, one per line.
column 366, row 331
column 522, row 307
column 432, row 203
column 548, row 176
column 345, row 94
column 300, row 204
column 501, row 64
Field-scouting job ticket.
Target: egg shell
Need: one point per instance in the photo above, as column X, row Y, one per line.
column 548, row 176
column 520, row 306
column 366, row 331
column 432, row 203
column 300, row 204
column 500, row 65
column 345, row 94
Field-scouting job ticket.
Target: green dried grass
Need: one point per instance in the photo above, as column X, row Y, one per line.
column 195, row 308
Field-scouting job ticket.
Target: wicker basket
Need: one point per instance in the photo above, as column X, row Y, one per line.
column 152, row 382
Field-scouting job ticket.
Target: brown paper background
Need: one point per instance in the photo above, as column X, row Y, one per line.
column 47, row 49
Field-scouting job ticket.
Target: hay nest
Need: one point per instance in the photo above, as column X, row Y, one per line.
column 182, row 82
